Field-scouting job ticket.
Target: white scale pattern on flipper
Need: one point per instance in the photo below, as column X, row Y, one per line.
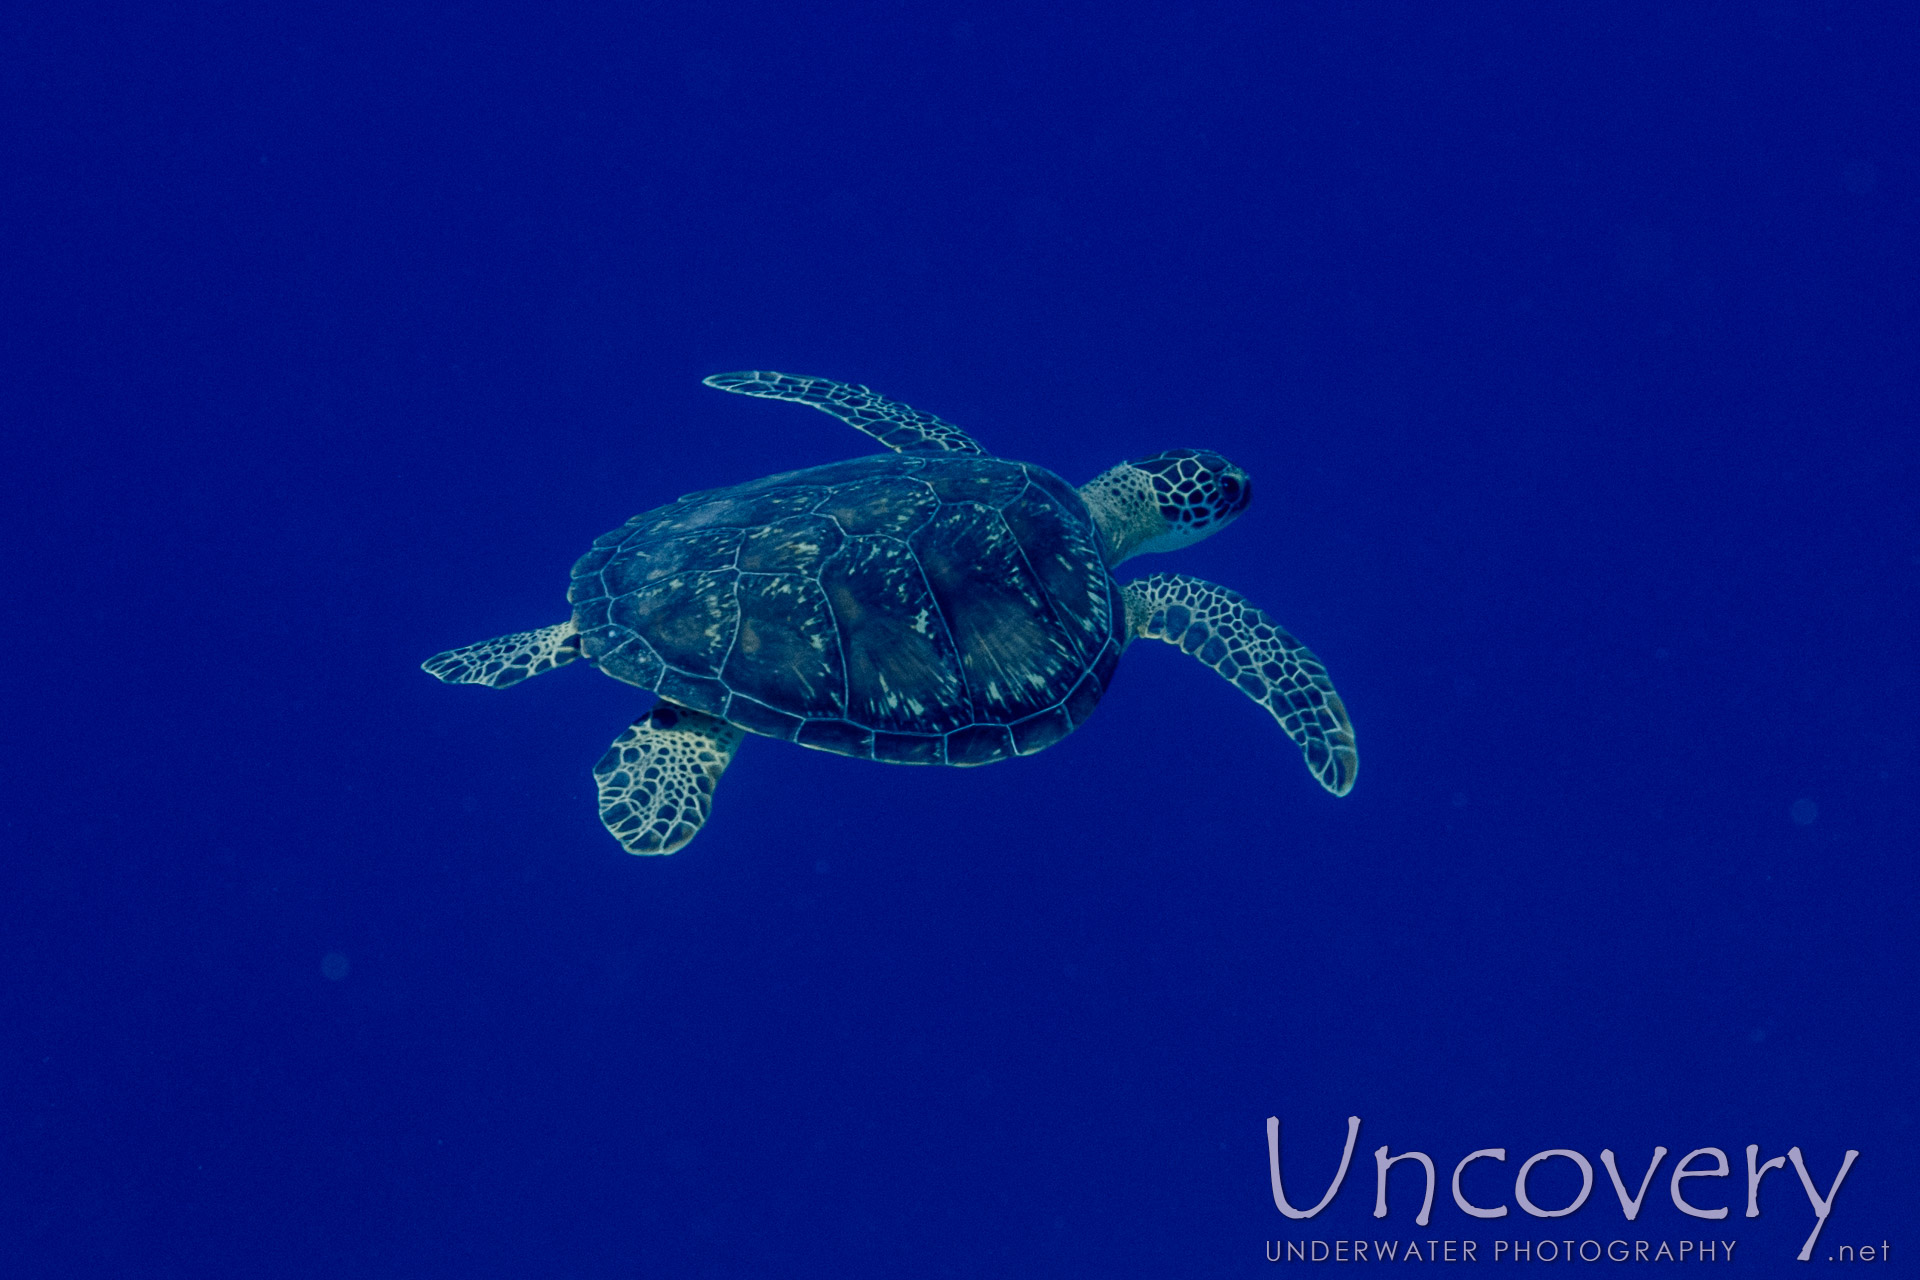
column 507, row 660
column 902, row 429
column 1255, row 654
column 656, row 780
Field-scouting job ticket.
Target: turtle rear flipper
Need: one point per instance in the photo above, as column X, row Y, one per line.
column 656, row 780
column 1248, row 648
column 506, row 660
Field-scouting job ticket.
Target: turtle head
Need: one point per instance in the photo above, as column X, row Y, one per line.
column 1165, row 502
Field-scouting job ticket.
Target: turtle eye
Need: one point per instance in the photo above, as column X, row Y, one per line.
column 1230, row 490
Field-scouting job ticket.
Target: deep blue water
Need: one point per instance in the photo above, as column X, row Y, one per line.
column 1573, row 349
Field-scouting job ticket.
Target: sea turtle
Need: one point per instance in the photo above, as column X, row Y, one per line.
column 932, row 605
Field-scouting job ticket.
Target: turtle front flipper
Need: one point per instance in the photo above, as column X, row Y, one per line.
column 657, row 779
column 896, row 426
column 1248, row 648
column 506, row 660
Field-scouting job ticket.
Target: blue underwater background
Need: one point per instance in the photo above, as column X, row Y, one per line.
column 1572, row 349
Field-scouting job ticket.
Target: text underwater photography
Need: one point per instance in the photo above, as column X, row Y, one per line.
column 1543, row 1187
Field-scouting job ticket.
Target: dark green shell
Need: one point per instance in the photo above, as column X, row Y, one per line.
column 925, row 609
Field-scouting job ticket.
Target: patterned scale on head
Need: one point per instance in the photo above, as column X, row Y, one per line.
column 1197, row 489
